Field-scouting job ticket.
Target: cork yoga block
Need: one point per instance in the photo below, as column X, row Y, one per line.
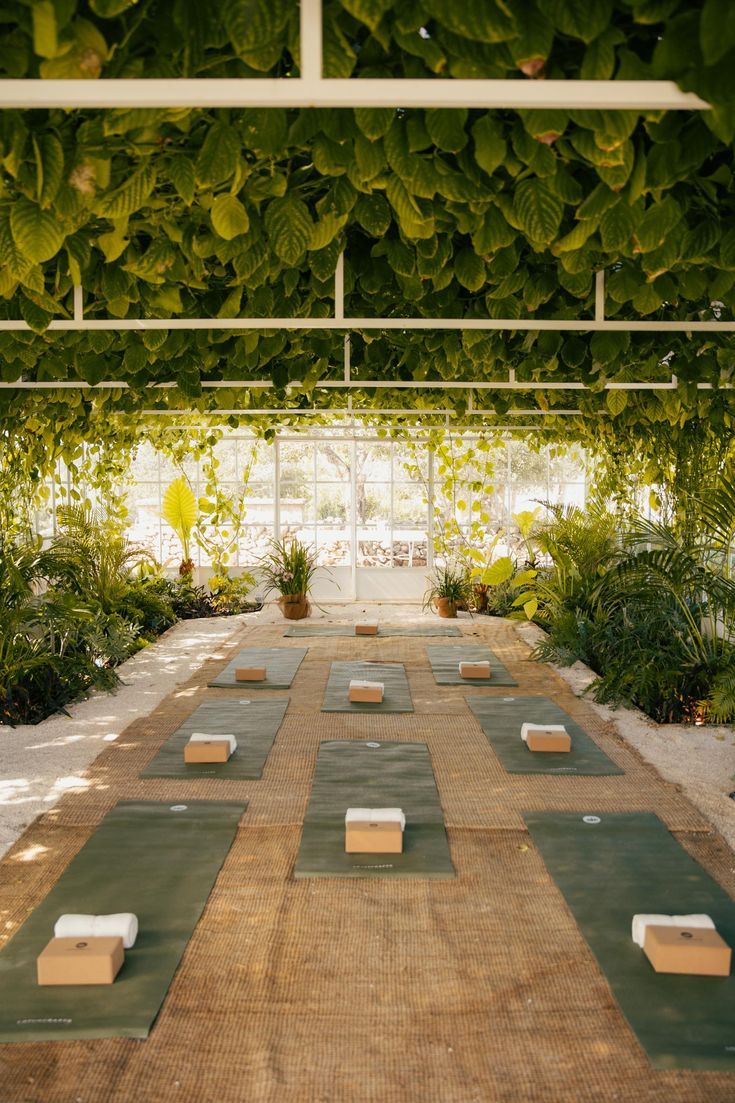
column 80, row 961
column 365, row 692
column 699, row 951
column 215, row 750
column 364, row 837
column 250, row 674
column 556, row 742
column 474, row 670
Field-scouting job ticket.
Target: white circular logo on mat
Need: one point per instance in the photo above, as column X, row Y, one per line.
column 591, row 819
column 179, row 807
column 372, row 744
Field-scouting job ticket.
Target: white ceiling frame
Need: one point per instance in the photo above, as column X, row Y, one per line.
column 349, row 418
column 603, row 95
column 359, row 385
column 557, row 325
column 313, row 90
column 598, row 324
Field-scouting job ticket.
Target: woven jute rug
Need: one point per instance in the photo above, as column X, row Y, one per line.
column 475, row 990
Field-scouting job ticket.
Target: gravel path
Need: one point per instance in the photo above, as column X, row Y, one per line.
column 42, row 761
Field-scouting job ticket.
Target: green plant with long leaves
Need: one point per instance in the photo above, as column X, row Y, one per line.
column 289, row 567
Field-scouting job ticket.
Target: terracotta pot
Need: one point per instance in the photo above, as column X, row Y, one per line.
column 294, row 606
column 445, row 607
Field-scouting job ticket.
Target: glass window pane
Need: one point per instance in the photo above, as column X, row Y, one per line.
column 332, row 504
column 333, row 547
column 373, row 463
column 373, row 505
column 333, row 462
column 296, row 503
column 253, row 542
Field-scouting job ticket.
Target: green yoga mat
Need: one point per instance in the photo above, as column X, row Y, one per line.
column 625, row 864
column 383, row 630
column 281, row 664
column 445, row 665
column 254, row 725
column 145, row 857
column 352, row 774
column 396, row 694
column 501, row 718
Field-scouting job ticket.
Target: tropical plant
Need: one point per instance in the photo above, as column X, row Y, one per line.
column 144, row 605
column 179, row 510
column 578, row 546
column 49, row 640
column 498, row 578
column 685, row 588
column 93, row 559
column 289, row 567
column 229, row 594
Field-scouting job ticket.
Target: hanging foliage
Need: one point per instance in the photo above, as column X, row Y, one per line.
column 440, row 213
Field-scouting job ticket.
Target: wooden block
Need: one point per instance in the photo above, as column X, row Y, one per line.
column 366, row 629
column 250, row 674
column 368, row 692
column 538, row 739
column 80, row 961
column 364, row 837
column 695, row 950
column 475, row 670
column 200, row 750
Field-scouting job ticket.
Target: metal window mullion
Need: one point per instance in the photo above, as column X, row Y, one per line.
column 353, row 519
column 235, row 443
column 508, row 485
column 277, row 487
column 160, row 508
column 430, row 510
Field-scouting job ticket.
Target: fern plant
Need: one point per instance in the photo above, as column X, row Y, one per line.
column 93, row 559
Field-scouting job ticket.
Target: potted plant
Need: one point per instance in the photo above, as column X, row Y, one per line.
column 289, row 568
column 448, row 588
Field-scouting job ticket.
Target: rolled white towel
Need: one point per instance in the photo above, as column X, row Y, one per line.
column 640, row 922
column 525, row 728
column 205, row 737
column 376, row 815
column 360, row 683
column 122, row 925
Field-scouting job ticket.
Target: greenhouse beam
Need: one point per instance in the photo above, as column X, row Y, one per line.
column 311, row 89
column 557, row 325
column 512, row 384
column 285, row 92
